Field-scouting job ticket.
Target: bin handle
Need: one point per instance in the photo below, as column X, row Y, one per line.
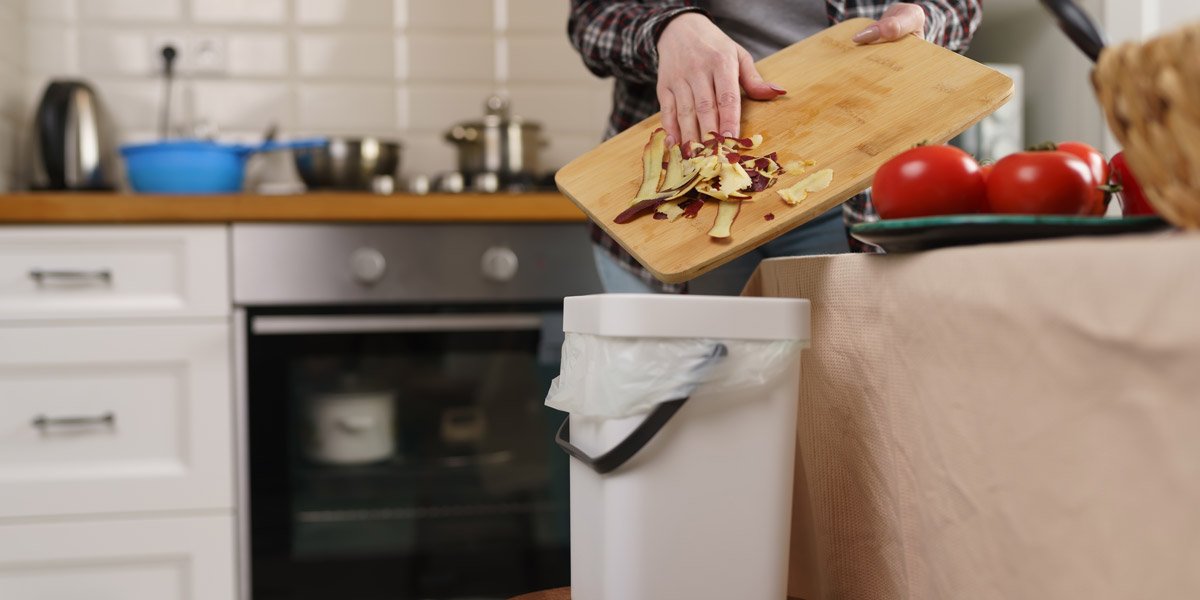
column 645, row 431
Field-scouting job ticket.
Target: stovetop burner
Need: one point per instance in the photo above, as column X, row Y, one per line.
column 453, row 182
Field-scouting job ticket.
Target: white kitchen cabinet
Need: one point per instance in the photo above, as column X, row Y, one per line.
column 97, row 419
column 113, row 272
column 116, row 414
column 186, row 558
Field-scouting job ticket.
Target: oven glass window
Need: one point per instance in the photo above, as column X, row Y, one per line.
column 405, row 456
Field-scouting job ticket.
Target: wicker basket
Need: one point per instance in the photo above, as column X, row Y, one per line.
column 1151, row 95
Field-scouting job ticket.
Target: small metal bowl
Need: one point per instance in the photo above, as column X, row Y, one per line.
column 348, row 163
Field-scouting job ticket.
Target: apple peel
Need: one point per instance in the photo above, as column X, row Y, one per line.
column 652, row 168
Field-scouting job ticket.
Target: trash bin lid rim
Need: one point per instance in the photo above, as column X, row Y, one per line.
column 687, row 316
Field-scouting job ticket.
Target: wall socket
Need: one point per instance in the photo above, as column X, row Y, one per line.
column 197, row 54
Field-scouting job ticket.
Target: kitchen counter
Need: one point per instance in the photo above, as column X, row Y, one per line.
column 313, row 207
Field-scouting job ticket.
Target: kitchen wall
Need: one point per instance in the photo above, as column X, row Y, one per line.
column 1059, row 101
column 398, row 68
column 12, row 83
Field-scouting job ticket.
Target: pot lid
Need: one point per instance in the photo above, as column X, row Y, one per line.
column 497, row 113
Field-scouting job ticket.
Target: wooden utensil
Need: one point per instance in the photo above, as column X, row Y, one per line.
column 848, row 107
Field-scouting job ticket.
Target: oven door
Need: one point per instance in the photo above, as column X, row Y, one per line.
column 404, row 453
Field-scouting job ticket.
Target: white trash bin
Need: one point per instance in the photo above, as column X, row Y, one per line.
column 682, row 434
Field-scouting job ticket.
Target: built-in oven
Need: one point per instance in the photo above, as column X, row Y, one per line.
column 394, row 441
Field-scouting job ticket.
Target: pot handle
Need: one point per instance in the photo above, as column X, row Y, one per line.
column 272, row 146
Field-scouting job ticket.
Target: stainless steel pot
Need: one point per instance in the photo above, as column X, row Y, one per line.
column 348, row 163
column 500, row 143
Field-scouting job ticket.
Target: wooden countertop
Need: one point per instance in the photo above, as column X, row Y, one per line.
column 53, row 207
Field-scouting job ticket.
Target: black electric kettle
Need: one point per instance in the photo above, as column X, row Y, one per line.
column 74, row 146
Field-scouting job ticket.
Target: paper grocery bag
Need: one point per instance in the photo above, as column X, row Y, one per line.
column 1007, row 421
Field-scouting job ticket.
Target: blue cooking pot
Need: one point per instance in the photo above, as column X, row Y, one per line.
column 195, row 166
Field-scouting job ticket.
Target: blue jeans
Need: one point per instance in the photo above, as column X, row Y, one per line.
column 824, row 235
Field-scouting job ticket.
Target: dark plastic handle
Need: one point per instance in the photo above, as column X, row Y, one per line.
column 639, row 437
column 1078, row 26
column 622, row 452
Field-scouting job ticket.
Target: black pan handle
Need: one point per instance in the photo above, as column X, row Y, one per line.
column 645, row 431
column 1078, row 26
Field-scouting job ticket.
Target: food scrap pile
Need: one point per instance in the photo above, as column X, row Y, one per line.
column 677, row 180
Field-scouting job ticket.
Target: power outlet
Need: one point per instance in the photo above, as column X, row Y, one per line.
column 208, row 55
column 196, row 54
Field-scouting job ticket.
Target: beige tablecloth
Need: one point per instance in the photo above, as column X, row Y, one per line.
column 1010, row 421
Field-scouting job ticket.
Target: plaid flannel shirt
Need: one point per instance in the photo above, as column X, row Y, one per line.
column 619, row 39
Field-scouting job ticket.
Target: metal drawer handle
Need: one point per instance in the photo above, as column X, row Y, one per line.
column 43, row 422
column 42, row 276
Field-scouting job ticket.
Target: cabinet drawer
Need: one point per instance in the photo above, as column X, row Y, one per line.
column 89, row 272
column 138, row 559
column 98, row 419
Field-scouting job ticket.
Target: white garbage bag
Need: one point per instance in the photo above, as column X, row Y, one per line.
column 615, row 377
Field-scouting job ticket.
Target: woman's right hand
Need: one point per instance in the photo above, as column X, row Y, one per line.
column 701, row 73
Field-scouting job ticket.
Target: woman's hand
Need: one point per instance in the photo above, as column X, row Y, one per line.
column 701, row 73
column 898, row 20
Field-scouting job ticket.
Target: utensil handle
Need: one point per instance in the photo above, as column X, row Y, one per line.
column 1078, row 26
column 272, row 146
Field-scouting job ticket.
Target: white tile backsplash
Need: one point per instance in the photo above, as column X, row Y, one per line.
column 435, row 107
column 367, row 13
column 51, row 49
column 240, row 12
column 403, row 68
column 578, row 109
column 130, row 10
column 538, row 15
column 427, row 154
column 236, row 105
column 544, row 58
column 451, row 15
column 344, row 55
column 345, row 107
column 50, row 9
column 252, row 54
column 136, row 105
column 125, row 52
column 451, row 57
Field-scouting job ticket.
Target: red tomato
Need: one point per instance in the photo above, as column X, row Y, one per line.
column 1133, row 199
column 986, row 170
column 1099, row 168
column 929, row 180
column 1041, row 183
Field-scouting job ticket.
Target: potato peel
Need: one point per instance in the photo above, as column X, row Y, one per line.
column 726, row 169
column 813, row 183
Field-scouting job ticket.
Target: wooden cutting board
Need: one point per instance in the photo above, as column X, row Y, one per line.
column 848, row 107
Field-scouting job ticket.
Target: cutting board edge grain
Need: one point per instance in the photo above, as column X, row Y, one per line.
column 747, row 235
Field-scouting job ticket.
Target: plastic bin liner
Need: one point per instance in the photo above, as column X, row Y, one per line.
column 616, row 377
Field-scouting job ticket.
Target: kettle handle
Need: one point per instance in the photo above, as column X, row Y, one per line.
column 52, row 117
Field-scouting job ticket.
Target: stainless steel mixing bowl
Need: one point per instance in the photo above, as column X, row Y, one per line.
column 348, row 163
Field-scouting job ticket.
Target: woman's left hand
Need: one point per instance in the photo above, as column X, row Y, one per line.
column 898, row 20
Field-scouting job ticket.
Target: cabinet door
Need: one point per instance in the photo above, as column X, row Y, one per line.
column 97, row 419
column 189, row 558
column 103, row 272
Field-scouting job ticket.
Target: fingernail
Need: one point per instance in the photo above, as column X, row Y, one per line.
column 726, row 134
column 867, row 35
column 670, row 140
column 776, row 88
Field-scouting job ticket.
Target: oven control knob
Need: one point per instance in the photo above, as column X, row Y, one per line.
column 499, row 264
column 368, row 265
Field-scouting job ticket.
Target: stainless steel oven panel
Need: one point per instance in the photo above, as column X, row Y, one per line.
column 296, row 264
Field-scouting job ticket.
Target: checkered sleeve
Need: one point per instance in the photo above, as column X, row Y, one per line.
column 948, row 23
column 619, row 39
